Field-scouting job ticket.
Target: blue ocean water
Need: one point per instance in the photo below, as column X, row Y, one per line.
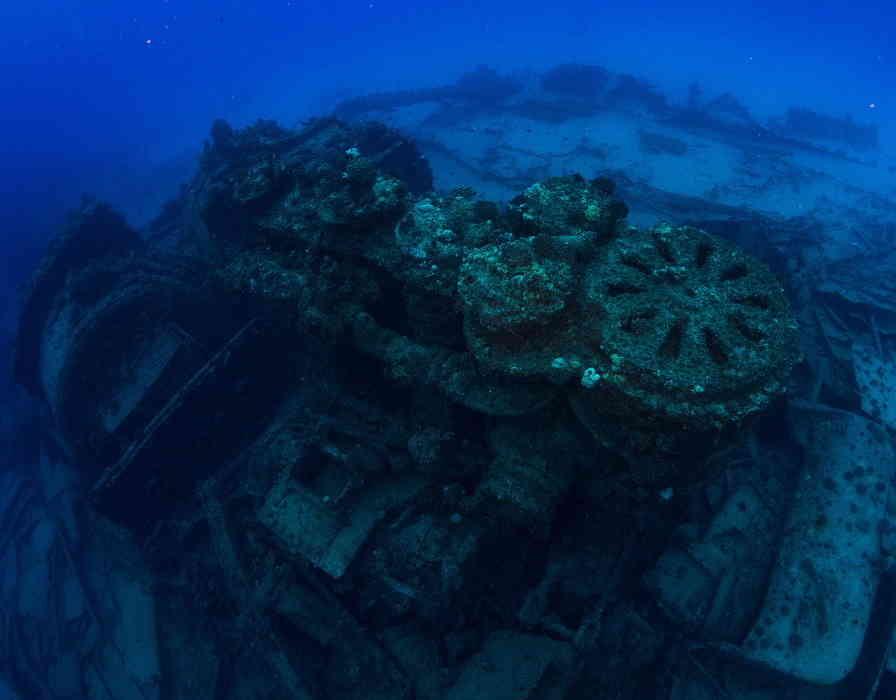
column 116, row 98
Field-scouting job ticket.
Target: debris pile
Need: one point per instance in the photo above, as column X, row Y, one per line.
column 374, row 442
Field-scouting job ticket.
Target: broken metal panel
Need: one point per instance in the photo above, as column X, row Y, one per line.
column 867, row 278
column 512, row 666
column 875, row 370
column 93, row 233
column 863, row 681
column 819, row 601
column 714, row 583
column 108, row 338
column 204, row 422
column 418, row 654
column 324, row 534
column 148, row 360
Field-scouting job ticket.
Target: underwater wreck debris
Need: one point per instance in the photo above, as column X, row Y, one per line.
column 485, row 86
column 875, row 375
column 99, row 332
column 432, row 238
column 670, row 325
column 513, row 666
column 656, row 144
column 381, row 398
column 576, row 80
column 525, row 483
column 704, row 583
column 627, row 91
column 568, row 205
column 652, row 330
column 268, row 182
column 313, row 528
column 516, row 306
column 694, row 331
column 454, row 373
column 480, row 88
column 806, row 123
column 727, row 110
column 819, row 599
column 754, row 167
column 137, row 360
column 649, row 329
column 190, row 424
column 93, row 232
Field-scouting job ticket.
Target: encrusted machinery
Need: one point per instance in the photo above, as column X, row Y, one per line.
column 651, row 330
column 647, row 330
column 140, row 364
column 650, row 335
column 695, row 332
column 100, row 327
column 356, row 396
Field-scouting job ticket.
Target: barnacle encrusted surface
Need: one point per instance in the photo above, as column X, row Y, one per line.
column 568, row 205
column 552, row 297
column 521, row 309
column 695, row 330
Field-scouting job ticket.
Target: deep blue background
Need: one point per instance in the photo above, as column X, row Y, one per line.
column 98, row 93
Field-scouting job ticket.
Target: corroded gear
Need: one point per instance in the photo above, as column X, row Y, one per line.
column 520, row 310
column 695, row 331
column 510, row 288
column 568, row 205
